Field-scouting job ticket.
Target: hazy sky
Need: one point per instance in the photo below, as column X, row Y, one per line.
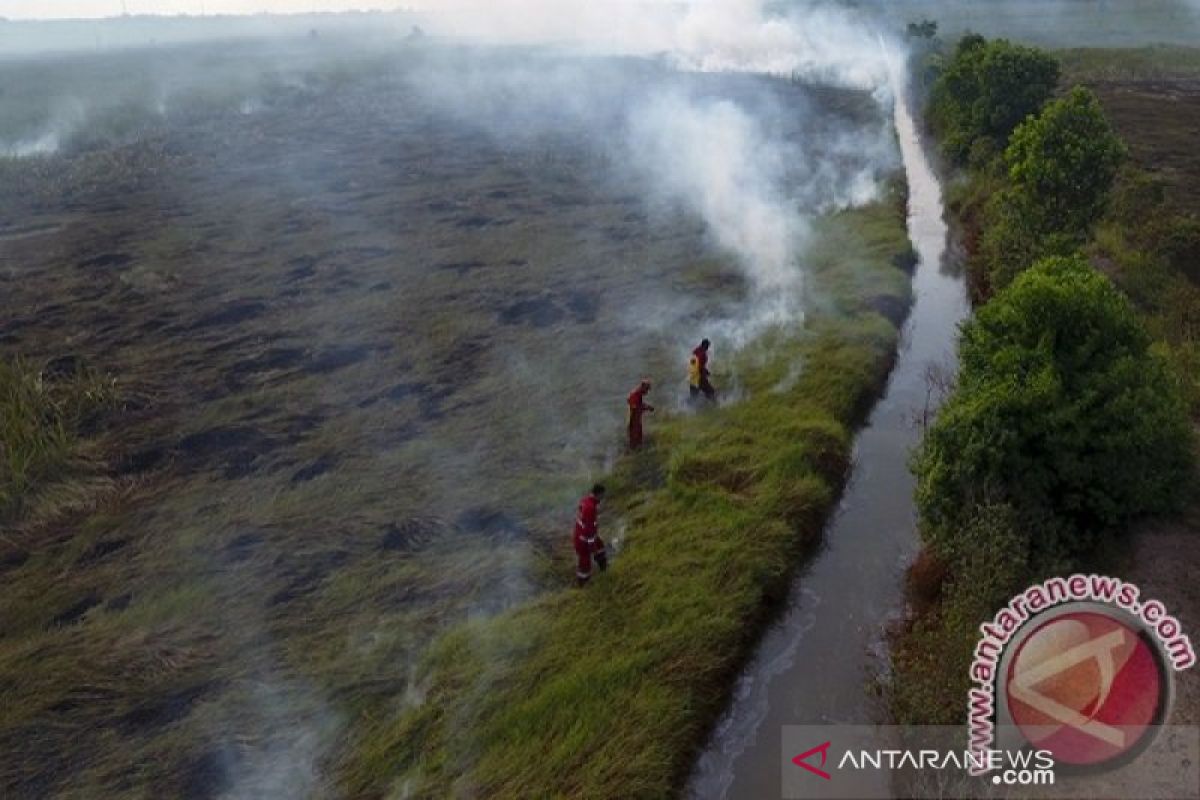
column 41, row 9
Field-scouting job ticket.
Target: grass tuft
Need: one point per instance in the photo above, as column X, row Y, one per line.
column 41, row 419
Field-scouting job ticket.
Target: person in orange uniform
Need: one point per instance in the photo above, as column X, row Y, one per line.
column 698, row 382
column 589, row 546
column 637, row 407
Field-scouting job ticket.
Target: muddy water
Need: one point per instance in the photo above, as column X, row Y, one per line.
column 819, row 662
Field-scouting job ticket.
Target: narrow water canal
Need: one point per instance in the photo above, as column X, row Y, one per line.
column 817, row 663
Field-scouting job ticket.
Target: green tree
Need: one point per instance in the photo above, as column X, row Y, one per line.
column 1062, row 411
column 1062, row 164
column 1014, row 237
column 985, row 90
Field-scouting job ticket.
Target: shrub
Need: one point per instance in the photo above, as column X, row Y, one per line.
column 1062, row 411
column 1179, row 246
column 990, row 558
column 1009, row 243
column 983, row 154
column 1137, row 198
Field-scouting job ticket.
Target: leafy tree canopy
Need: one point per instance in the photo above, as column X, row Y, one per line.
column 986, row 89
column 1062, row 411
column 1062, row 163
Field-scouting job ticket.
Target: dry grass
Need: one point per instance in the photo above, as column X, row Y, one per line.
column 42, row 417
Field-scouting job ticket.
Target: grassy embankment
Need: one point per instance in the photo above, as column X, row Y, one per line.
column 1144, row 236
column 607, row 692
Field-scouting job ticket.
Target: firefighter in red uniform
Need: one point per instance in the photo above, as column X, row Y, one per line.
column 637, row 407
column 588, row 544
column 698, row 382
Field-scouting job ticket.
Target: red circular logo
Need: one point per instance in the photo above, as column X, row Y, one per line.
column 1088, row 687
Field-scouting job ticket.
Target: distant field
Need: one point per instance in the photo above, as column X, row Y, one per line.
column 1055, row 23
column 1152, row 96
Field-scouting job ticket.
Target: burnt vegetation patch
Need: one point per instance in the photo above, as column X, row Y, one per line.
column 232, row 314
column 273, row 359
column 454, row 369
column 305, row 576
column 106, row 261
column 143, row 459
column 242, row 547
column 551, row 308
column 74, row 612
column 120, row 602
column 584, row 306
column 314, row 470
column 153, row 714
column 475, row 221
column 220, row 439
column 428, row 397
column 302, row 267
column 336, row 358
column 461, row 268
column 491, row 523
column 100, row 551
column 296, row 425
column 412, row 534
column 486, row 523
column 539, row 312
column 12, row 559
column 234, row 448
column 209, row 774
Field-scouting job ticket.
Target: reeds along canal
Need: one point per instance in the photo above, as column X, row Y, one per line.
column 817, row 664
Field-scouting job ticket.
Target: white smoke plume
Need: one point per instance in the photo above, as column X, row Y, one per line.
column 67, row 117
column 729, row 161
column 713, row 158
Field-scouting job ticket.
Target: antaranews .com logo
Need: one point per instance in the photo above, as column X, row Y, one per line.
column 1073, row 682
column 1078, row 666
column 1020, row 767
column 887, row 761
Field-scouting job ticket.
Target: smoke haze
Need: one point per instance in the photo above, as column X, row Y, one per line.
column 753, row 170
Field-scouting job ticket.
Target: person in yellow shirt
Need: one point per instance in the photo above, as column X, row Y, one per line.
column 698, row 375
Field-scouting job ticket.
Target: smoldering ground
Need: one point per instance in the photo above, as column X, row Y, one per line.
column 383, row 312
